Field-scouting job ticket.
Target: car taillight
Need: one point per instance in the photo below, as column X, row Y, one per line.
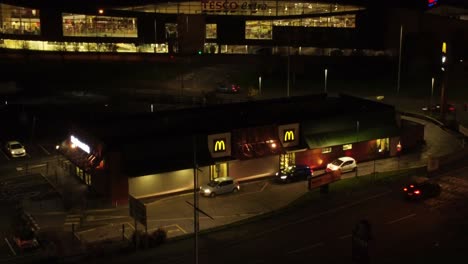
column 405, row 189
column 417, row 192
column 451, row 108
column 411, row 186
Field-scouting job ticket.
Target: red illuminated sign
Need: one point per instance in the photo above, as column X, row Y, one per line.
column 232, row 6
column 431, row 3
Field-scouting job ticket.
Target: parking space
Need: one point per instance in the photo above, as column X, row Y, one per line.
column 30, row 186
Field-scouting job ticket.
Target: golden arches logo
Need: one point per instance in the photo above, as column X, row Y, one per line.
column 288, row 135
column 219, row 145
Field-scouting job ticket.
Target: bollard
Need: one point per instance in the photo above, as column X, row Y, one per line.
column 123, row 232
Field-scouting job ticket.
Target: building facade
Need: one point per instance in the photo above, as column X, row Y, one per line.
column 217, row 27
column 156, row 155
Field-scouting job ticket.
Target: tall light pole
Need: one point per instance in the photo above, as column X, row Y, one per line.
column 432, row 92
column 195, row 200
column 260, row 85
column 326, row 75
column 287, row 92
column 399, row 60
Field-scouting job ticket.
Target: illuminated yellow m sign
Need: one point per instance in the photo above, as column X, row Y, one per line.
column 219, row 145
column 288, row 135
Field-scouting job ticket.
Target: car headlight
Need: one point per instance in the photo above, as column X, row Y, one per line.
column 277, row 174
column 206, row 191
column 283, row 177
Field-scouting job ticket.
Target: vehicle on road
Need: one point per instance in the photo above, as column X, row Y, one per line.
column 343, row 164
column 294, row 173
column 228, row 88
column 421, row 188
column 220, row 186
column 450, row 108
column 15, row 149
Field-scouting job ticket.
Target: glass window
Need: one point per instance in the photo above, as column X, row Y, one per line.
column 19, row 20
column 326, row 150
column 98, row 26
column 347, row 146
column 211, row 32
column 258, row 29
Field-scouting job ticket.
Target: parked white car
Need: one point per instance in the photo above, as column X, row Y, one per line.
column 15, row 149
column 343, row 164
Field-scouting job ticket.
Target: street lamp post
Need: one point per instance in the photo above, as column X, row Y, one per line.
column 432, row 92
column 260, row 85
column 399, row 60
column 379, row 151
column 326, row 74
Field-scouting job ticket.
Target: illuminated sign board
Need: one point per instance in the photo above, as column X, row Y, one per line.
column 80, row 144
column 289, row 134
column 232, row 6
column 219, row 145
column 431, row 3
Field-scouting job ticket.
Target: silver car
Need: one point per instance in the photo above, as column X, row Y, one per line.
column 15, row 149
column 220, row 186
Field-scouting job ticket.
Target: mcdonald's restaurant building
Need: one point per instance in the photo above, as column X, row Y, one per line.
column 155, row 154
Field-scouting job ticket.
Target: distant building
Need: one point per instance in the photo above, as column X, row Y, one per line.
column 154, row 154
column 330, row 28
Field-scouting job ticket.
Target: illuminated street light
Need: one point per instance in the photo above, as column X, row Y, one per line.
column 101, row 11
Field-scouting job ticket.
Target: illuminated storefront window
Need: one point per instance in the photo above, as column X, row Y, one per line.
column 19, row 20
column 326, row 150
column 82, row 46
column 347, row 146
column 244, row 8
column 98, row 26
column 211, row 31
column 258, row 30
column 345, row 21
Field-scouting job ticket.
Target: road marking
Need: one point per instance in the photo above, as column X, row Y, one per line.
column 334, row 210
column 205, row 217
column 45, row 150
column 400, row 219
column 345, row 236
column 6, row 156
column 264, row 186
column 183, row 230
column 9, row 245
column 306, row 248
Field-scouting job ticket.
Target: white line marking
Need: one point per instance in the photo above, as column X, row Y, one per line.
column 306, row 248
column 9, row 245
column 6, row 156
column 345, row 236
column 400, row 219
column 322, row 214
column 183, row 230
column 264, row 186
column 45, row 150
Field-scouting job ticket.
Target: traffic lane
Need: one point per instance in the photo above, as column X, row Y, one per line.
column 316, row 229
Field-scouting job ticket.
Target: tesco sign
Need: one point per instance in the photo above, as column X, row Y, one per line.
column 232, row 6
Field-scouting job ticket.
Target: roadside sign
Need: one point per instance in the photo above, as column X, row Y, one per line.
column 137, row 210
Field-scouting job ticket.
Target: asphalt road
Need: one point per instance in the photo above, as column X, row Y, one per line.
column 427, row 231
